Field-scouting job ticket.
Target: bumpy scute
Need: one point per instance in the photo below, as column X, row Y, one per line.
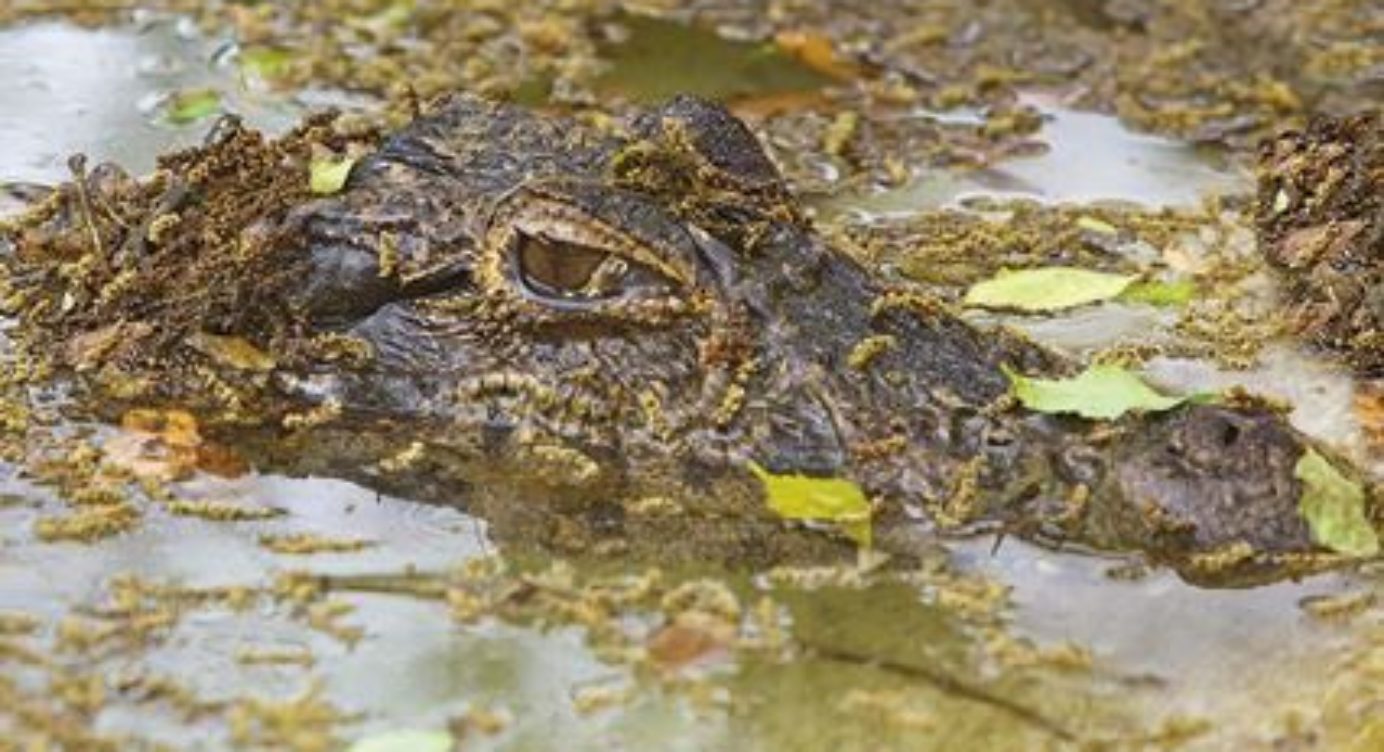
column 1321, row 223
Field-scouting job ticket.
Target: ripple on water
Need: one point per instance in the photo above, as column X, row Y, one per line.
column 427, row 536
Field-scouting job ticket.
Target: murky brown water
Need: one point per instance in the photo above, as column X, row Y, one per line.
column 1244, row 660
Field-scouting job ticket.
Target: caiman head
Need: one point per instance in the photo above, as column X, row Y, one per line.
column 629, row 312
column 522, row 279
column 643, row 304
column 612, row 321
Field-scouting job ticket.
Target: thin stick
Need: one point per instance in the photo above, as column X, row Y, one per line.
column 946, row 683
column 77, row 164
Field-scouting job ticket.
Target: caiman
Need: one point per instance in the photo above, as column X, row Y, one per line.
column 594, row 334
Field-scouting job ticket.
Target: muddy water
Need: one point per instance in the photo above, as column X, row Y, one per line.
column 1243, row 660
column 1087, row 158
column 103, row 93
column 650, row 60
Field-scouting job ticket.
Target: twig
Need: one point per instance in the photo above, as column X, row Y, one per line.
column 421, row 585
column 77, row 164
column 944, row 682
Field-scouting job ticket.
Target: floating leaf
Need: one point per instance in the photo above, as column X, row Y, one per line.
column 265, row 62
column 1369, row 410
column 816, row 51
column 1096, row 225
column 388, row 20
column 190, row 106
column 1334, row 507
column 167, row 445
column 1177, row 293
column 328, row 176
column 691, row 637
column 1048, row 289
column 800, row 497
column 1101, row 392
column 405, row 741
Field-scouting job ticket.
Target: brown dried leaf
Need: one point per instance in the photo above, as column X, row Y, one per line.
column 816, row 51
column 689, row 638
column 166, row 445
column 1369, row 408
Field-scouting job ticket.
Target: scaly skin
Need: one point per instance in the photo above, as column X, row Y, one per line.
column 608, row 324
column 1321, row 225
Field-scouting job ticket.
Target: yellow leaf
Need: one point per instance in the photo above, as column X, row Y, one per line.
column 1176, row 293
column 801, row 497
column 1096, row 225
column 1046, row 289
column 328, row 176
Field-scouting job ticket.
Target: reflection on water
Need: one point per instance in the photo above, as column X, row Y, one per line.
column 1093, row 157
column 1083, row 331
column 1090, row 157
column 1223, row 653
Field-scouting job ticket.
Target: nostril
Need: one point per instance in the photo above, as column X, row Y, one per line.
column 1230, row 433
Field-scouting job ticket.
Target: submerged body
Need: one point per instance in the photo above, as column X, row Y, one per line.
column 612, row 321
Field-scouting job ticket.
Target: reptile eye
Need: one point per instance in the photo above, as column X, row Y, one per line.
column 569, row 271
column 558, row 268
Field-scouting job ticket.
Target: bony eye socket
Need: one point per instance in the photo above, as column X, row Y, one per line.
column 570, row 271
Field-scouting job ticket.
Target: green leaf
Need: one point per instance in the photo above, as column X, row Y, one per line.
column 1177, row 293
column 328, row 176
column 187, row 107
column 1334, row 507
column 265, row 62
column 389, row 19
column 1096, row 225
column 800, row 497
column 1048, row 289
column 1101, row 392
column 405, row 741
